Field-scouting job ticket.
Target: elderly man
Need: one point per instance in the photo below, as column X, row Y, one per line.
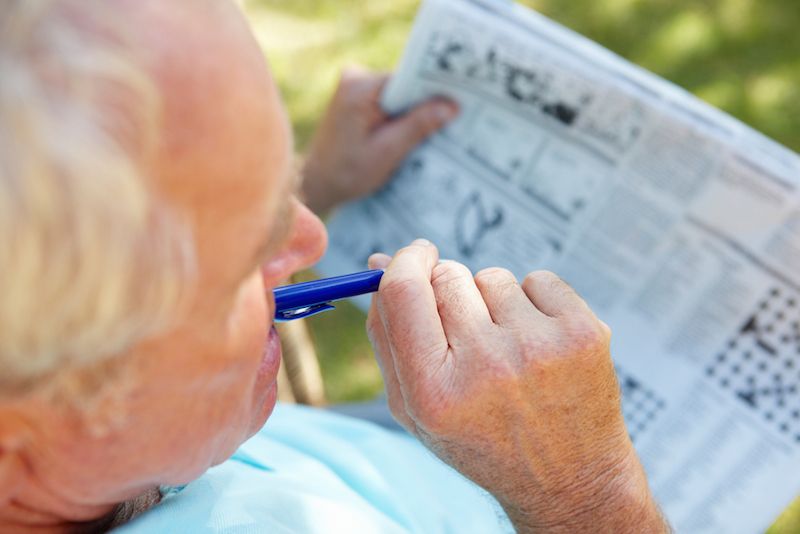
column 148, row 207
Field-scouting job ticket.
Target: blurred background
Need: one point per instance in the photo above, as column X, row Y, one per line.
column 742, row 56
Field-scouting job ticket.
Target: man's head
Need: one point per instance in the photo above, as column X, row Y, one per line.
column 146, row 209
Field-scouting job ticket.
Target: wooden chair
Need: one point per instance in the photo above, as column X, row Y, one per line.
column 300, row 378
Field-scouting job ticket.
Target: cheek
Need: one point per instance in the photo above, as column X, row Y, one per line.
column 249, row 323
column 239, row 403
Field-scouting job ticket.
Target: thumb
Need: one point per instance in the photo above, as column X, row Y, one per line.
column 396, row 138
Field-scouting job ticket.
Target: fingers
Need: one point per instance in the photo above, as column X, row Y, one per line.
column 407, row 307
column 552, row 296
column 504, row 298
column 396, row 138
column 461, row 307
column 388, row 355
column 358, row 85
column 383, row 354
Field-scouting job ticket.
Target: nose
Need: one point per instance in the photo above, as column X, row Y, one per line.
column 306, row 244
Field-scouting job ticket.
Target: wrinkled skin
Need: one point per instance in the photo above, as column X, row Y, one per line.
column 513, row 385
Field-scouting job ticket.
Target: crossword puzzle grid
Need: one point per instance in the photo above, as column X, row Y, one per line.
column 640, row 405
column 759, row 364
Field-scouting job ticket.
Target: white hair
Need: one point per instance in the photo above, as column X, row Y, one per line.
column 90, row 261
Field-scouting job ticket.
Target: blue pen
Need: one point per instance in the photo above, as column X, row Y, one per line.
column 310, row 298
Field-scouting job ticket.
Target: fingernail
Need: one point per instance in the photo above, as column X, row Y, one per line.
column 421, row 243
column 379, row 261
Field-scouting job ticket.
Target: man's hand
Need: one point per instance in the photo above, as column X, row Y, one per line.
column 512, row 385
column 357, row 146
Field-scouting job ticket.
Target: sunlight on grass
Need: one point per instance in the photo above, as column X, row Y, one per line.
column 291, row 34
column 735, row 16
column 308, row 44
column 721, row 93
column 774, row 97
column 789, row 521
column 687, row 34
column 771, row 91
column 617, row 8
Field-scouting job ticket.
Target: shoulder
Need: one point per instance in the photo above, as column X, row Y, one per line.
column 313, row 471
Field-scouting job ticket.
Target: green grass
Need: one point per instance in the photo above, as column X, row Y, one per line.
column 309, row 42
column 740, row 55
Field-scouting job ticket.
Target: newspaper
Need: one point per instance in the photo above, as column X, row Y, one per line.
column 678, row 224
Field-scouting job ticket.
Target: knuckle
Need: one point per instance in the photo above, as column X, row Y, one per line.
column 540, row 276
column 501, row 371
column 350, row 76
column 529, row 341
column 585, row 335
column 448, row 273
column 536, row 351
column 495, row 276
column 547, row 281
column 415, row 247
column 607, row 332
column 497, row 282
column 481, row 348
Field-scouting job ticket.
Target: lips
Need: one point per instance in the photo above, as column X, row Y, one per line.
column 266, row 386
column 271, row 357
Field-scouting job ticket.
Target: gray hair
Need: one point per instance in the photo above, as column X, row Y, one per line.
column 90, row 261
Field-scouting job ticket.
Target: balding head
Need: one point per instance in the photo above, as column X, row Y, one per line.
column 100, row 135
column 154, row 214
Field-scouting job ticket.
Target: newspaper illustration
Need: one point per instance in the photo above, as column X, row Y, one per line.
column 678, row 224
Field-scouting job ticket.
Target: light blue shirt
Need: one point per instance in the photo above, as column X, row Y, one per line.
column 314, row 471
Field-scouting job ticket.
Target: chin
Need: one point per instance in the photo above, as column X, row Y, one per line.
column 265, row 403
column 265, row 391
column 262, row 406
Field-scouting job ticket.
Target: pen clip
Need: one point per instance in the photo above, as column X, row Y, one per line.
column 301, row 313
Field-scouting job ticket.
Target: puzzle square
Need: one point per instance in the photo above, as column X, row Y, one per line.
column 759, row 363
column 640, row 404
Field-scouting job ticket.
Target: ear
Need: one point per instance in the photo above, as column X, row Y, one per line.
column 13, row 470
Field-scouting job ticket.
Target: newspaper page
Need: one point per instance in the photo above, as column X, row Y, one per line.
column 678, row 224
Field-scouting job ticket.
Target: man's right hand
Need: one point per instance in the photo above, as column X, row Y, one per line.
column 513, row 385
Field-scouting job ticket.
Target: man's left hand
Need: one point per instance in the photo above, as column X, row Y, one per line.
column 358, row 146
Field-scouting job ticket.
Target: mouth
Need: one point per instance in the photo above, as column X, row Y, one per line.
column 271, row 356
column 266, row 387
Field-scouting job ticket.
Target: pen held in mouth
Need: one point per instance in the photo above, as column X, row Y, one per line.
column 310, row 298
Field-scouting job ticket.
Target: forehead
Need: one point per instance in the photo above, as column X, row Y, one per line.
column 222, row 111
column 225, row 156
